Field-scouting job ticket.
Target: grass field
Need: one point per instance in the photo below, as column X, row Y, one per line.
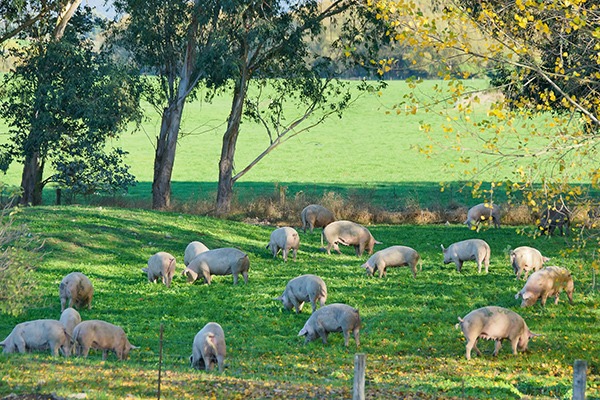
column 408, row 334
column 369, row 150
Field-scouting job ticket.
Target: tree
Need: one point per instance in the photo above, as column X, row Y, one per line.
column 62, row 101
column 233, row 44
column 176, row 41
column 22, row 16
column 539, row 137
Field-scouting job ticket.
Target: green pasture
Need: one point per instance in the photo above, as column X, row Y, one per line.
column 369, row 150
column 408, row 334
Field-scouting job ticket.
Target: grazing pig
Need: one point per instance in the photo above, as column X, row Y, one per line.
column 224, row 261
column 526, row 258
column 78, row 289
column 192, row 250
column 348, row 233
column 468, row 250
column 161, row 264
column 483, row 212
column 555, row 217
column 546, row 282
column 332, row 318
column 495, row 323
column 301, row 289
column 70, row 318
column 315, row 216
column 393, row 256
column 39, row 334
column 284, row 239
column 101, row 335
column 209, row 348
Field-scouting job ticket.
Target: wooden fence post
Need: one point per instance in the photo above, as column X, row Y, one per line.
column 579, row 379
column 160, row 356
column 359, row 376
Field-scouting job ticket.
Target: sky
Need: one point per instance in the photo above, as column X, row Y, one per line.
column 101, row 8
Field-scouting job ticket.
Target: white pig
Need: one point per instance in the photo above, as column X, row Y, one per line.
column 468, row 250
column 70, row 318
column 161, row 264
column 101, row 335
column 284, row 239
column 301, row 289
column 483, row 212
column 39, row 334
column 349, row 234
column 494, row 323
column 223, row 261
column 393, row 256
column 209, row 348
column 544, row 283
column 332, row 318
column 315, row 216
column 78, row 289
column 192, row 250
column 525, row 258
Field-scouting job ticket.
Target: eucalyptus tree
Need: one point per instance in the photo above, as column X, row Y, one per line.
column 21, row 17
column 62, row 102
column 231, row 45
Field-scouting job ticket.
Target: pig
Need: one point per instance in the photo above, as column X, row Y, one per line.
column 192, row 250
column 315, row 216
column 223, row 261
column 70, row 318
column 393, row 256
column 546, row 282
column 209, row 348
column 555, row 217
column 301, row 289
column 161, row 264
column 101, row 335
column 348, row 233
column 526, row 258
column 483, row 212
column 78, row 289
column 332, row 318
column 494, row 323
column 284, row 239
column 468, row 250
column 39, row 334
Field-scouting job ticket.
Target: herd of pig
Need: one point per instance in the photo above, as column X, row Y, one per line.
column 209, row 349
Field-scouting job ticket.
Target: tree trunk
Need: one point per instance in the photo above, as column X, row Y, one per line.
column 164, row 158
column 31, row 180
column 225, row 187
column 171, row 120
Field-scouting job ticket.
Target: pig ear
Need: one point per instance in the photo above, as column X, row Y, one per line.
column 302, row 332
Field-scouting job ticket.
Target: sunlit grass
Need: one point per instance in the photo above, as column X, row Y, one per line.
column 407, row 331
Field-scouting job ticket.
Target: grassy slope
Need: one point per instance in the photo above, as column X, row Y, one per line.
column 407, row 333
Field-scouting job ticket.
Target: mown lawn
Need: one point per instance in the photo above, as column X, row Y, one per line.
column 408, row 334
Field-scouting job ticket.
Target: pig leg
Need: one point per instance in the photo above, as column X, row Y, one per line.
column 355, row 332
column 284, row 253
column 544, row 298
column 472, row 344
column 245, row 276
column 346, row 337
column 235, row 278
column 105, row 354
column 570, row 296
column 381, row 269
column 85, row 349
column 294, row 252
column 63, row 303
column 322, row 333
column 297, row 305
column 313, row 303
column 497, row 347
column 208, row 362
column 322, row 301
column 221, row 362
column 459, row 265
